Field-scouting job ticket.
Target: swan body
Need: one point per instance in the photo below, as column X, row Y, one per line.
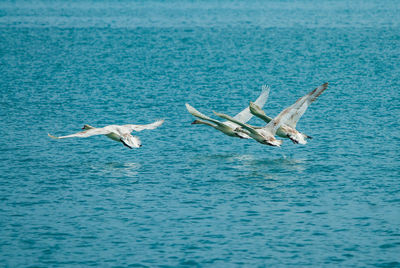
column 228, row 127
column 285, row 122
column 265, row 135
column 115, row 132
column 288, row 130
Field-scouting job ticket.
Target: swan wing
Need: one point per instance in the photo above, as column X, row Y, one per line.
column 284, row 116
column 246, row 114
column 84, row 134
column 307, row 100
column 153, row 125
column 233, row 120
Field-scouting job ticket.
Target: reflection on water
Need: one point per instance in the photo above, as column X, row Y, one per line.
column 117, row 169
column 273, row 171
column 284, row 162
column 252, row 167
column 244, row 160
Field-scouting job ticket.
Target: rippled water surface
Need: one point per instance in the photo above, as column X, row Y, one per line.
column 192, row 196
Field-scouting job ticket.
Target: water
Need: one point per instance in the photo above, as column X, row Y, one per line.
column 192, row 196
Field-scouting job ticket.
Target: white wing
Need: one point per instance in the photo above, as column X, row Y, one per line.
column 85, row 134
column 284, row 116
column 233, row 120
column 246, row 115
column 308, row 99
column 154, row 125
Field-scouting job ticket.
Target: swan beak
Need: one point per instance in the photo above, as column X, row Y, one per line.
column 194, row 122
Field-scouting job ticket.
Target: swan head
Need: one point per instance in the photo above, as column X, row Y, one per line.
column 86, row 127
column 196, row 122
column 255, row 109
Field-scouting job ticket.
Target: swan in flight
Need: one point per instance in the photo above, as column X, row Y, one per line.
column 229, row 127
column 117, row 133
column 289, row 117
column 288, row 130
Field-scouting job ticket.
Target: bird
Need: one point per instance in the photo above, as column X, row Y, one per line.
column 229, row 127
column 289, row 117
column 115, row 132
column 288, row 130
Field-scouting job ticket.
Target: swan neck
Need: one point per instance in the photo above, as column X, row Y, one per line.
column 204, row 123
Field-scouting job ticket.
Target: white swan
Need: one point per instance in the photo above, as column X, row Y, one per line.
column 117, row 133
column 229, row 127
column 288, row 116
column 288, row 130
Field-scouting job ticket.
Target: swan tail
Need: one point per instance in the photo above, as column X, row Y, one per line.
column 307, row 137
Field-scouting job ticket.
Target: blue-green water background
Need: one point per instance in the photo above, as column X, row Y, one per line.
column 192, row 196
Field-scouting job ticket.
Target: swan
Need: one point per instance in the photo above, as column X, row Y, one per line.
column 289, row 117
column 229, row 127
column 115, row 132
column 288, row 130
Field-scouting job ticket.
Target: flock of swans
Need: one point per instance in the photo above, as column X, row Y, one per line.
column 283, row 125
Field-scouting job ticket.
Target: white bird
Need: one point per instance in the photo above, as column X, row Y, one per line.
column 115, row 132
column 288, row 130
column 289, row 117
column 229, row 127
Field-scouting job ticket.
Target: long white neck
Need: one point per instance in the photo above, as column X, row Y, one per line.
column 199, row 122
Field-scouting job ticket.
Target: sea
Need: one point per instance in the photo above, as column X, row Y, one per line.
column 192, row 196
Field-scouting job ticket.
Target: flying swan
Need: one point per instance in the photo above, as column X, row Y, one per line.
column 229, row 127
column 288, row 130
column 289, row 117
column 117, row 133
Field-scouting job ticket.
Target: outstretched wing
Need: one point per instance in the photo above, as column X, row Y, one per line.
column 154, row 125
column 308, row 99
column 284, row 116
column 246, row 115
column 84, row 134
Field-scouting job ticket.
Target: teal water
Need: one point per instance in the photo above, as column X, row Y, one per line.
column 192, row 196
